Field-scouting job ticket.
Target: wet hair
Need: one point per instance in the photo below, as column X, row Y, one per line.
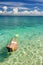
column 9, row 49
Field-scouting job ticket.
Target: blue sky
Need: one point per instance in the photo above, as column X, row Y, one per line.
column 22, row 5
column 34, row 3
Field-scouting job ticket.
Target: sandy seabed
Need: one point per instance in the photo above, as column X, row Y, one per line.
column 30, row 46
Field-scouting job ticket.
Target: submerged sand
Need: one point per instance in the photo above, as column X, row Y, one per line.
column 30, row 46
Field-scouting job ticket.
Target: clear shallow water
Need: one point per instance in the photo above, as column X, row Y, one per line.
column 30, row 40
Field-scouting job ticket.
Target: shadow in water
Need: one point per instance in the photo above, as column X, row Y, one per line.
column 3, row 54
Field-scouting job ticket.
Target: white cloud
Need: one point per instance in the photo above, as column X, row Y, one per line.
column 18, row 4
column 12, row 3
column 5, row 8
column 24, row 8
column 35, row 12
column 36, row 7
column 25, row 11
column 15, row 10
column 0, row 12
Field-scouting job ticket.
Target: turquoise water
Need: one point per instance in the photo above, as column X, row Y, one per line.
column 30, row 40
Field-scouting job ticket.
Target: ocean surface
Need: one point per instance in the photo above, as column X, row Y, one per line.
column 30, row 40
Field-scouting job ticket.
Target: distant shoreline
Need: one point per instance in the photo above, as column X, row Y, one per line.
column 17, row 16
